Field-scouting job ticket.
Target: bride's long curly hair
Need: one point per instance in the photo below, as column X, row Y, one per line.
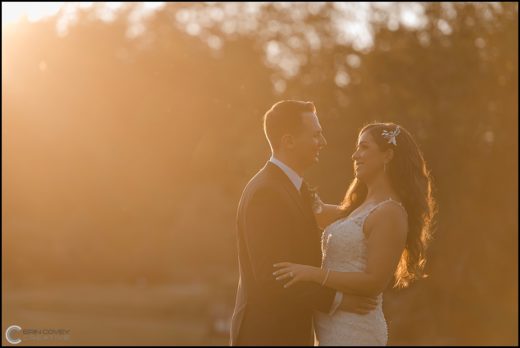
column 412, row 181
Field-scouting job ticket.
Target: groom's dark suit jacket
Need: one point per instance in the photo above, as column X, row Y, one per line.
column 274, row 224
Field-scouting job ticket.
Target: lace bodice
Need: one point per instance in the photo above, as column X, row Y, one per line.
column 343, row 243
column 344, row 248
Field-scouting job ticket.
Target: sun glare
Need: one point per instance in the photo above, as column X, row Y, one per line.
column 32, row 11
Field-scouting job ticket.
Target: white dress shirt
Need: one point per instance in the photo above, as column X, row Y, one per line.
column 297, row 181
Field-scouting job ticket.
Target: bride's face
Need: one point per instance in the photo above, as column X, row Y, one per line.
column 368, row 159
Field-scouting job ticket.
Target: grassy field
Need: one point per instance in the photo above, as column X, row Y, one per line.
column 115, row 314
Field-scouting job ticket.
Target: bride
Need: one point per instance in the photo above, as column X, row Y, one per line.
column 378, row 234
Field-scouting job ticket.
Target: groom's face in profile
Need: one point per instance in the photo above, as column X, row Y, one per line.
column 309, row 141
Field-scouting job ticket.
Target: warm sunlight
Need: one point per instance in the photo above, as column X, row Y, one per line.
column 14, row 12
column 142, row 204
column 32, row 11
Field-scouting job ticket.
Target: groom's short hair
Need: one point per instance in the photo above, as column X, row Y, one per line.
column 285, row 117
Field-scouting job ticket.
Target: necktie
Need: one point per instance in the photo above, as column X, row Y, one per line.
column 306, row 196
column 307, row 202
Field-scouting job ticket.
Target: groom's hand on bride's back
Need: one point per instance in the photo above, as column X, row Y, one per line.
column 358, row 304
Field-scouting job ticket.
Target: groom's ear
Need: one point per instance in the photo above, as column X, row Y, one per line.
column 287, row 141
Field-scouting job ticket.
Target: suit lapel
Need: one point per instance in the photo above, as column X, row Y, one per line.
column 288, row 186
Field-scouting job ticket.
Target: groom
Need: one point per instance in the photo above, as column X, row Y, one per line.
column 275, row 223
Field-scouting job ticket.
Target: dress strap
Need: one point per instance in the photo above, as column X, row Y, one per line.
column 383, row 202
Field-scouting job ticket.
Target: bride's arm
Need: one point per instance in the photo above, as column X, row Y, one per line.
column 386, row 242
column 325, row 213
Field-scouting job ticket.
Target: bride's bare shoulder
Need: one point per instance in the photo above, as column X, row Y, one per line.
column 390, row 216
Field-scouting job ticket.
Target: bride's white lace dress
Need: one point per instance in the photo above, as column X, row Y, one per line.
column 344, row 249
